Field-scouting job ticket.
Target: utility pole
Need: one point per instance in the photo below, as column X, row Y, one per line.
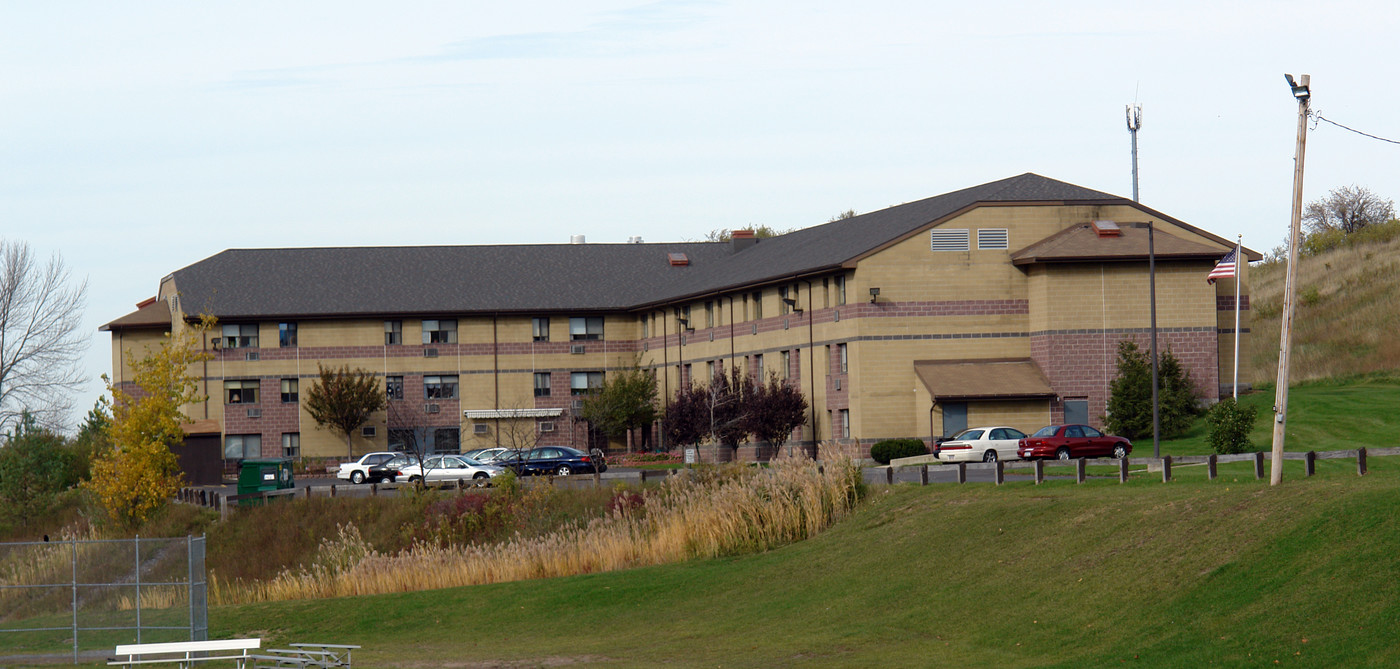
column 1134, row 112
column 1290, row 286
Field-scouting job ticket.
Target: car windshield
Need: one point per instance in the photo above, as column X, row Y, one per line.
column 1047, row 431
column 470, row 461
column 968, row 435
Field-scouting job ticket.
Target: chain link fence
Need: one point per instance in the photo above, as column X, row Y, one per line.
column 84, row 597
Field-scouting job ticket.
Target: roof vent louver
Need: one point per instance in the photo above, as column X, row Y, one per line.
column 1107, row 229
column 678, row 259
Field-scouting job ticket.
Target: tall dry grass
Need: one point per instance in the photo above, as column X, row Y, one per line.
column 1346, row 318
column 718, row 512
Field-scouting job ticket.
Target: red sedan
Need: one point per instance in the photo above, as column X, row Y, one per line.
column 1066, row 442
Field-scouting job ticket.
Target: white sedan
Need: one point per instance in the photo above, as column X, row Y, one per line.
column 451, row 468
column 985, row 444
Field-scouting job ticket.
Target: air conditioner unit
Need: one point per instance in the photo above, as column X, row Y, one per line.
column 578, row 405
column 576, row 349
column 481, row 428
column 547, row 426
column 646, row 346
column 836, row 315
column 838, row 383
column 431, row 408
column 712, row 336
column 250, row 355
column 755, row 328
column 367, row 432
column 430, row 353
column 255, row 413
column 785, row 323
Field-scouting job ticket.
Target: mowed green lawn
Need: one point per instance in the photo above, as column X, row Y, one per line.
column 1187, row 574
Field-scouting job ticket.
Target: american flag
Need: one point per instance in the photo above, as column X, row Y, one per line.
column 1225, row 269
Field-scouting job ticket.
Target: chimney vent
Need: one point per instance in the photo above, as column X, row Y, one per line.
column 742, row 239
column 1107, row 229
column 576, row 239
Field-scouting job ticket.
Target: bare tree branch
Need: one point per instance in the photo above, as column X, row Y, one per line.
column 41, row 340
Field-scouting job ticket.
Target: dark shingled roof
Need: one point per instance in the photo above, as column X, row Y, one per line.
column 423, row 280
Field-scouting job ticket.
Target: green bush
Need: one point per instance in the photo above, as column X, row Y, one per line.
column 1230, row 424
column 1130, row 394
column 891, row 449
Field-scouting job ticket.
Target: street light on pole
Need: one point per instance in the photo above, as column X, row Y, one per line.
column 1152, row 301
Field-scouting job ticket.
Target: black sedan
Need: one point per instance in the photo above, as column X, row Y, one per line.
column 390, row 470
column 553, row 460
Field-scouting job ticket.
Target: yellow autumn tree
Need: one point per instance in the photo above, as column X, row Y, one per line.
column 138, row 473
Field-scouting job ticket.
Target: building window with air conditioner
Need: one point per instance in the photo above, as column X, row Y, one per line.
column 442, row 387
column 241, row 391
column 588, row 328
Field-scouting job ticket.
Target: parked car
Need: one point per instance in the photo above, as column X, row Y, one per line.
column 450, row 468
column 392, row 469
column 987, row 444
column 555, row 460
column 1064, row 442
column 491, row 455
column 358, row 471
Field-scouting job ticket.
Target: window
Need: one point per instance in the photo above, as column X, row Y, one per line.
column 440, row 331
column 758, row 368
column 758, row 306
column 954, row 417
column 845, row 423
column 440, row 387
column 241, row 446
column 786, row 371
column 710, row 371
column 582, row 383
column 289, row 390
column 686, row 378
column 783, row 308
column 1077, row 411
column 539, row 328
column 841, row 352
column 286, row 334
column 828, row 359
column 446, row 440
column 949, row 240
column 542, row 384
column 646, row 326
column 993, row 238
column 585, row 329
column 239, row 336
column 709, row 314
column 393, row 387
column 393, row 333
column 291, row 444
column 243, row 391
column 840, row 281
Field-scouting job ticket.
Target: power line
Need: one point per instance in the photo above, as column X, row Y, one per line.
column 1320, row 117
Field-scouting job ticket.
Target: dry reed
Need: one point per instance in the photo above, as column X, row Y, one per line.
column 737, row 511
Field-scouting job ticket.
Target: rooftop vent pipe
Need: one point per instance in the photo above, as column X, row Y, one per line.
column 576, row 239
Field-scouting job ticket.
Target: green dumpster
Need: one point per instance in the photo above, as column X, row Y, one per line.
column 263, row 474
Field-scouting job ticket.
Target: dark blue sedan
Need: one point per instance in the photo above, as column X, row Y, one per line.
column 554, row 460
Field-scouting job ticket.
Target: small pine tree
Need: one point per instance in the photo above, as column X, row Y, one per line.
column 1130, row 394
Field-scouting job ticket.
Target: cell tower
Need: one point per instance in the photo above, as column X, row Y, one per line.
column 1134, row 124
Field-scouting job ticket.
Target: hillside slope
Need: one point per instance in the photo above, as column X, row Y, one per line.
column 1347, row 319
column 1230, row 572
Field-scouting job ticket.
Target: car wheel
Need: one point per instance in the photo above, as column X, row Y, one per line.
column 415, row 479
column 1062, row 454
column 989, row 456
column 563, row 470
column 357, row 477
column 1120, row 451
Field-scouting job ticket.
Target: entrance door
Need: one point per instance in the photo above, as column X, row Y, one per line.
column 954, row 418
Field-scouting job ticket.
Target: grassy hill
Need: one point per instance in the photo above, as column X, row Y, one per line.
column 1347, row 314
column 1193, row 573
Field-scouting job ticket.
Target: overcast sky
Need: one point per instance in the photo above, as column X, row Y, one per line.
column 137, row 138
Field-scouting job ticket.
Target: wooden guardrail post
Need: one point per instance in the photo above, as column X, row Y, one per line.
column 1259, row 464
column 923, row 475
column 1001, row 472
column 332, row 490
column 962, row 472
column 889, row 475
column 1361, row 461
column 1166, row 468
column 1122, row 470
column 1310, row 463
column 1211, row 472
column 1039, row 471
column 374, row 490
column 1079, row 470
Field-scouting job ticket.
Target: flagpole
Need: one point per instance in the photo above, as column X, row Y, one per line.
column 1235, row 387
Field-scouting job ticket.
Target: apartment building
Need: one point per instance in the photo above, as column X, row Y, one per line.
column 1000, row 303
